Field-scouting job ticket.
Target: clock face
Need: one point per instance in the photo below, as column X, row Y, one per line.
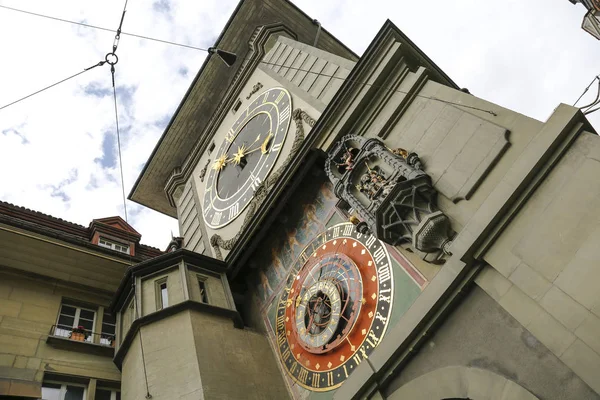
column 335, row 307
column 246, row 156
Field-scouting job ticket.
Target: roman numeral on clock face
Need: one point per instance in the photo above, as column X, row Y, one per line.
column 276, row 147
column 303, row 375
column 315, row 380
column 278, row 99
column 284, row 114
column 233, row 211
column 216, row 219
column 383, row 273
column 255, row 182
column 336, row 231
column 348, row 229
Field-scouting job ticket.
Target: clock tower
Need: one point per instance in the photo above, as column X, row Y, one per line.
column 361, row 228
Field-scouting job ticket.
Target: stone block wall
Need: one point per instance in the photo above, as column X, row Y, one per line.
column 545, row 265
column 28, row 309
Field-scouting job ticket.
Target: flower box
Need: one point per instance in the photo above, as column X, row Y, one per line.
column 78, row 336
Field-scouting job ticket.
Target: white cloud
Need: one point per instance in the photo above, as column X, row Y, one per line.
column 525, row 55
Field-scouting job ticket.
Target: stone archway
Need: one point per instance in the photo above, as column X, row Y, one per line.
column 461, row 383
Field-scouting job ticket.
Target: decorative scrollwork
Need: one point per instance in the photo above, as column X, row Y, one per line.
column 255, row 89
column 391, row 194
column 203, row 171
column 216, row 241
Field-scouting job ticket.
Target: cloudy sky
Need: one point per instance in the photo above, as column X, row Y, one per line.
column 58, row 149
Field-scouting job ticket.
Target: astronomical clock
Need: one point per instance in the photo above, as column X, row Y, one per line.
column 246, row 156
column 334, row 308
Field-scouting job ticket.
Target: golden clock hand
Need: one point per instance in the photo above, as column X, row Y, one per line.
column 264, row 146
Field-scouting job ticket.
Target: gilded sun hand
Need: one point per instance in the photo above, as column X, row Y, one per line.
column 240, row 154
column 220, row 163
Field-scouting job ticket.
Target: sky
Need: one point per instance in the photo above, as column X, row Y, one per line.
column 58, row 150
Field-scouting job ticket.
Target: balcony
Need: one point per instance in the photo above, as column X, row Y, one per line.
column 69, row 338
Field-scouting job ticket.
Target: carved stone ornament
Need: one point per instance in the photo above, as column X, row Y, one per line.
column 391, row 195
column 203, row 171
column 255, row 89
column 216, row 241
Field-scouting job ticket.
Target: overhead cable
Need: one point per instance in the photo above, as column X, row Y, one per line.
column 102, row 29
column 54, row 84
column 119, row 32
column 585, row 91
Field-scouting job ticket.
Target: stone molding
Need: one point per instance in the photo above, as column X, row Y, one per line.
column 461, row 383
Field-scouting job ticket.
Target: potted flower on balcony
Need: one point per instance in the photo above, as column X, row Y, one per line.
column 78, row 334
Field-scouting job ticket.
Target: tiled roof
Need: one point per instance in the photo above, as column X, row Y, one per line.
column 36, row 221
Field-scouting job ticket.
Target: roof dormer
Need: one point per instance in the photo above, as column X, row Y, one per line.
column 115, row 234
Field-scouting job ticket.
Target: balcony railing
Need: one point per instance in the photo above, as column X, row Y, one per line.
column 71, row 333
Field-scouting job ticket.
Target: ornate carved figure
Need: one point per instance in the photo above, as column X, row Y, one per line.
column 255, row 89
column 203, row 170
column 391, row 195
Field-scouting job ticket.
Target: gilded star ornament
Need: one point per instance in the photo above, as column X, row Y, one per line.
column 241, row 153
column 220, row 163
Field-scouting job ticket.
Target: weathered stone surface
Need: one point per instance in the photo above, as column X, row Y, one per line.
column 589, row 332
column 529, row 281
column 551, row 333
column 10, row 308
column 584, row 362
column 18, row 345
column 493, row 282
column 520, row 306
column 562, row 307
column 7, row 360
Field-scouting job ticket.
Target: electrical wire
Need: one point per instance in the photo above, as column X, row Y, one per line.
column 586, row 89
column 119, row 150
column 112, row 60
column 102, row 29
column 593, row 103
column 262, row 62
column 51, row 86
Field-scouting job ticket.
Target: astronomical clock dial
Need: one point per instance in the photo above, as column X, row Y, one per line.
column 246, row 156
column 335, row 307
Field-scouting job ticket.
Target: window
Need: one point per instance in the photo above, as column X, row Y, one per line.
column 75, row 323
column 107, row 394
column 236, row 106
column 107, row 336
column 109, row 244
column 202, row 286
column 62, row 391
column 162, row 294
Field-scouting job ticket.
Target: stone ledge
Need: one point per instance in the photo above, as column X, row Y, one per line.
column 82, row 347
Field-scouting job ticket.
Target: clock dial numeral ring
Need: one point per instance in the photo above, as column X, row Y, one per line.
column 247, row 154
column 340, row 266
